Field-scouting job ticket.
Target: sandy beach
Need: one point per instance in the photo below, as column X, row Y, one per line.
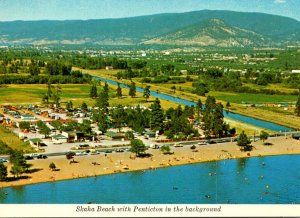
column 93, row 165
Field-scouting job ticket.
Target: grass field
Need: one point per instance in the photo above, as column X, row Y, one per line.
column 77, row 93
column 240, row 98
column 13, row 141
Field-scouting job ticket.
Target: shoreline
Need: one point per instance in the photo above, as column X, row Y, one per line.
column 122, row 163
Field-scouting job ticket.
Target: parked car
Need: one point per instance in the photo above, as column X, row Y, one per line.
column 2, row 160
column 41, row 156
column 202, row 143
column 28, row 157
column 178, row 145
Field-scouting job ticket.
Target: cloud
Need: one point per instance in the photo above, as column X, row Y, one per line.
column 280, row 1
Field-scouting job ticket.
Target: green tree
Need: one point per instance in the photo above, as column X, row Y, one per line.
column 129, row 135
column 93, row 91
column 24, row 125
column 297, row 109
column 43, row 128
column 173, row 88
column 165, row 149
column 69, row 106
column 157, row 116
column 137, row 147
column 16, row 170
column 52, row 166
column 84, row 106
column 3, row 172
column 263, row 136
column 49, row 89
column 146, row 92
column 56, row 95
column 102, row 120
column 228, row 105
column 18, row 160
column 119, row 91
column 102, row 101
column 119, row 117
column 199, row 108
column 132, row 90
column 244, row 142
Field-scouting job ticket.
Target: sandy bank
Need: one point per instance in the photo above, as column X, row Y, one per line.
column 121, row 162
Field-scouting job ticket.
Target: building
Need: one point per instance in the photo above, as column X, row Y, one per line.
column 35, row 142
column 27, row 117
column 109, row 68
column 296, row 136
column 296, row 71
column 59, row 139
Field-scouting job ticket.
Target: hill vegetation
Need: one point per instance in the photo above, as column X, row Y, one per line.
column 135, row 30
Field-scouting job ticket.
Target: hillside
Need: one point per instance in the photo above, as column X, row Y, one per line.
column 212, row 32
column 136, row 30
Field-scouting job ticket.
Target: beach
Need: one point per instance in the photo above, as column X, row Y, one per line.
column 94, row 165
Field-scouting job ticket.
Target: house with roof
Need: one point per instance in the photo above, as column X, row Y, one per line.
column 27, row 117
column 59, row 139
column 35, row 142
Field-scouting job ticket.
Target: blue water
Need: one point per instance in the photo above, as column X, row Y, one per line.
column 233, row 181
column 249, row 120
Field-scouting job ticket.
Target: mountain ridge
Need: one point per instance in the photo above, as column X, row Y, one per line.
column 139, row 29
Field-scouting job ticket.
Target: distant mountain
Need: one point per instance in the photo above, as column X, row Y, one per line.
column 135, row 30
column 213, row 32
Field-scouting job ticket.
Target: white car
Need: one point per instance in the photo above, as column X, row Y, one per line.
column 178, row 145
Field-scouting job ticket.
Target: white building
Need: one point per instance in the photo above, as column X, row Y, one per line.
column 59, row 139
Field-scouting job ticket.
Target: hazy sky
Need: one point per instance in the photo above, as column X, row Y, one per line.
column 97, row 9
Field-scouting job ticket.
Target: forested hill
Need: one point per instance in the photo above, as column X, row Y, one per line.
column 136, row 30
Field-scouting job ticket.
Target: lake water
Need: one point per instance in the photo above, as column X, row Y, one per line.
column 256, row 180
column 239, row 117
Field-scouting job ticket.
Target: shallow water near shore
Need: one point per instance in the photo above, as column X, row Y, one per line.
column 256, row 180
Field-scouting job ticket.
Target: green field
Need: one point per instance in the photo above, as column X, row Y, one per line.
column 13, row 141
column 77, row 93
column 240, row 98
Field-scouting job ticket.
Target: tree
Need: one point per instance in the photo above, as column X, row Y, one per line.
column 244, row 142
column 165, row 149
column 56, row 95
column 45, row 130
column 102, row 101
column 129, row 135
column 18, row 160
column 69, row 106
column 263, row 136
column 70, row 156
column 93, row 91
column 199, row 108
column 119, row 117
column 119, row 91
column 102, row 119
column 84, row 106
column 157, row 115
column 24, row 125
column 228, row 105
column 52, row 166
column 16, row 170
column 297, row 109
column 137, row 146
column 147, row 92
column 132, row 90
column 3, row 172
column 173, row 88
column 49, row 89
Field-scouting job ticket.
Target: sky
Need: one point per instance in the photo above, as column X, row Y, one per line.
column 99, row 9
